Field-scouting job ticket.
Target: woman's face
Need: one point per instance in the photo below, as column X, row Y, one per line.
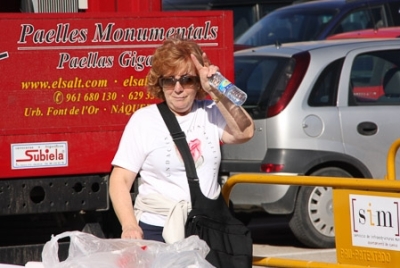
column 180, row 90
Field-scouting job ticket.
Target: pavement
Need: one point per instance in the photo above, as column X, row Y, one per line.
column 294, row 253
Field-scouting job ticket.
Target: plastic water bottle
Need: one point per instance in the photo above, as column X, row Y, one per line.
column 232, row 92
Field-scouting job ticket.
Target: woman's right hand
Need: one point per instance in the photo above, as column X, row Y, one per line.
column 132, row 232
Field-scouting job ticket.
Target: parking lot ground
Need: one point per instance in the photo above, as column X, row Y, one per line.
column 272, row 238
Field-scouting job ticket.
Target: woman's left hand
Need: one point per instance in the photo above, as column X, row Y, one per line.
column 205, row 72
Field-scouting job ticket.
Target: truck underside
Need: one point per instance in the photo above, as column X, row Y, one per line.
column 32, row 210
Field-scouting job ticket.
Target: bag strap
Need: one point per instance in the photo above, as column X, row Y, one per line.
column 179, row 138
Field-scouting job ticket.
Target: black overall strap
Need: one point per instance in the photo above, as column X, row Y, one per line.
column 179, row 138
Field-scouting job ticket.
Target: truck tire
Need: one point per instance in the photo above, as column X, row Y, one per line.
column 312, row 221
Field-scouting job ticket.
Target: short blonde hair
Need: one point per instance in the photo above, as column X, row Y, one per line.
column 172, row 55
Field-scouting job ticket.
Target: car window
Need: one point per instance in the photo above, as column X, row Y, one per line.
column 379, row 18
column 362, row 19
column 324, row 92
column 375, row 79
column 257, row 76
column 246, row 15
column 288, row 26
column 393, row 10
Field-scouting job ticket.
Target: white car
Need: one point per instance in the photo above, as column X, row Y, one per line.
column 323, row 108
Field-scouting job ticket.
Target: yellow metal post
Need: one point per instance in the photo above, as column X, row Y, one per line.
column 336, row 182
column 279, row 262
column 391, row 160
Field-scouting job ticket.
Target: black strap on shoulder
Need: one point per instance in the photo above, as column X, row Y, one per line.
column 179, row 138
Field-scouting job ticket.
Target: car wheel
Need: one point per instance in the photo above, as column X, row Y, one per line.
column 312, row 221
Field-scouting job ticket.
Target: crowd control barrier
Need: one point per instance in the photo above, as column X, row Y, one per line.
column 366, row 217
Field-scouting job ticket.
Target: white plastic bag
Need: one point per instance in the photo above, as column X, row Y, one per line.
column 88, row 251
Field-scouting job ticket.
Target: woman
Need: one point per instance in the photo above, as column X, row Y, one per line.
column 179, row 76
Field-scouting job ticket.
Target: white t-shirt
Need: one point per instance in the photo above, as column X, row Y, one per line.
column 147, row 147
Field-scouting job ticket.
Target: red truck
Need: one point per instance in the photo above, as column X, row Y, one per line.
column 69, row 83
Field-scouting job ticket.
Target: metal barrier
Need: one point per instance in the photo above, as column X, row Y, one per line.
column 366, row 213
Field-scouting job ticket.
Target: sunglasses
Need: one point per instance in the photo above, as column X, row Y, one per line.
column 185, row 81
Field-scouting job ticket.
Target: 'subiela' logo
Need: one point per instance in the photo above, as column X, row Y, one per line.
column 39, row 155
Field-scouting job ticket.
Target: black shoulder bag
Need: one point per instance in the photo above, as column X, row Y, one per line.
column 230, row 241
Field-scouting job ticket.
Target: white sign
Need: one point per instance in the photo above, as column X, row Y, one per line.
column 39, row 155
column 375, row 221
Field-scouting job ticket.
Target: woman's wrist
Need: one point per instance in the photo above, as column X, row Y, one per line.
column 129, row 226
column 216, row 97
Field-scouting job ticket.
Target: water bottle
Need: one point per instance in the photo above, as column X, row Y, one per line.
column 232, row 92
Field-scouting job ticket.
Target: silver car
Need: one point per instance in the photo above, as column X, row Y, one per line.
column 323, row 108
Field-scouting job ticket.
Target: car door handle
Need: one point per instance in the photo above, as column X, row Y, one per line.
column 367, row 128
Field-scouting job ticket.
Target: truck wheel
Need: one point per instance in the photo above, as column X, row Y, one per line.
column 312, row 221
